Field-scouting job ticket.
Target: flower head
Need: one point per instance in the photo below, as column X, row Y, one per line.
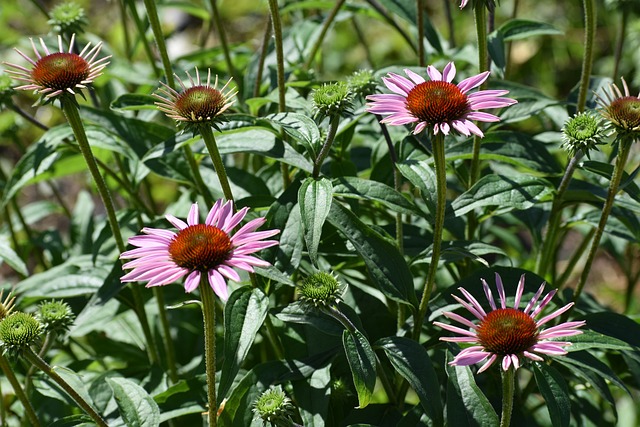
column 68, row 18
column 622, row 110
column 361, row 83
column 320, row 290
column 437, row 104
column 273, row 407
column 463, row 3
column 199, row 103
column 55, row 315
column 59, row 72
column 19, row 330
column 582, row 132
column 332, row 99
column 508, row 333
column 212, row 248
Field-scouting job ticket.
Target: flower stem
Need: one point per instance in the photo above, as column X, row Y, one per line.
column 277, row 34
column 224, row 44
column 168, row 341
column 618, row 171
column 420, row 25
column 323, row 32
column 508, row 389
column 326, row 147
column 51, row 373
column 197, row 176
column 441, row 187
column 143, row 39
column 264, row 48
column 70, row 109
column 152, row 13
column 214, row 153
column 590, row 16
column 622, row 31
column 20, row 394
column 209, row 319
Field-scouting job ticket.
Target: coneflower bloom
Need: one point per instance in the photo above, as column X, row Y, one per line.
column 463, row 3
column 621, row 109
column 199, row 103
column 507, row 333
column 437, row 104
column 59, row 72
column 212, row 248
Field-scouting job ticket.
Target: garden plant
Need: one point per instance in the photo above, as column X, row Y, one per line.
column 319, row 213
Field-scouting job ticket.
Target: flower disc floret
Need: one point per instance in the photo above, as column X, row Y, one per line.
column 332, row 99
column 622, row 110
column 59, row 72
column 582, row 132
column 19, row 330
column 213, row 249
column 437, row 104
column 273, row 406
column 506, row 333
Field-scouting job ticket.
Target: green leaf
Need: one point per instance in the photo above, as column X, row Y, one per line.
column 412, row 361
column 296, row 312
column 508, row 193
column 78, row 420
column 312, row 397
column 614, row 327
column 47, row 387
column 466, row 404
column 591, row 339
column 555, row 392
column 517, row 29
column 362, row 361
column 244, row 314
column 531, row 101
column 422, row 176
column 364, row 189
column 9, row 256
column 386, row 266
column 134, row 101
column 314, row 199
column 183, row 398
column 300, row 127
column 137, row 408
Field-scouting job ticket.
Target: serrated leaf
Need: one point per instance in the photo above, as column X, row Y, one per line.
column 244, row 314
column 314, row 199
column 517, row 29
column 137, row 408
column 386, row 266
column 362, row 361
column 508, row 193
column 8, row 255
column 555, row 392
column 412, row 361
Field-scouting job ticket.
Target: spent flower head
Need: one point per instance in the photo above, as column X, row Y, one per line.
column 437, row 104
column 321, row 290
column 200, row 103
column 212, row 248
column 332, row 99
column 507, row 334
column 59, row 73
column 19, row 330
column 273, row 407
column 622, row 110
column 55, row 315
column 68, row 18
column 582, row 133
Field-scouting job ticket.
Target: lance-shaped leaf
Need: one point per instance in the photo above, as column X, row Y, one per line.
column 555, row 392
column 137, row 408
column 314, row 198
column 362, row 361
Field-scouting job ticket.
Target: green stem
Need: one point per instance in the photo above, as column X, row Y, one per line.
column 375, row 4
column 420, row 25
column 209, row 319
column 334, row 311
column 618, row 171
column 70, row 109
column 152, row 13
column 197, row 177
column 547, row 250
column 573, row 261
column 166, row 332
column 264, row 48
column 622, row 31
column 277, row 34
column 590, row 16
column 224, row 43
column 214, row 153
column 323, row 32
column 326, row 147
column 441, row 186
column 20, row 394
column 508, row 389
column 143, row 37
column 51, row 373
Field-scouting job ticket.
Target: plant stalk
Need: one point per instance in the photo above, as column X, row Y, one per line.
column 152, row 13
column 209, row 319
column 590, row 16
column 214, row 153
column 508, row 389
column 326, row 147
column 323, row 32
column 20, row 394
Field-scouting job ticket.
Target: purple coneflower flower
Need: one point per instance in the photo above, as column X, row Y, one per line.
column 212, row 248
column 463, row 3
column 622, row 109
column 59, row 72
column 437, row 104
column 508, row 333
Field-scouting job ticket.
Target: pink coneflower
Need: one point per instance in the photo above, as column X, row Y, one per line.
column 162, row 256
column 622, row 109
column 508, row 333
column 59, row 72
column 437, row 104
column 202, row 102
column 463, row 3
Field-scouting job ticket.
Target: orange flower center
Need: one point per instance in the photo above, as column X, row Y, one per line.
column 60, row 71
column 200, row 103
column 200, row 247
column 625, row 112
column 437, row 102
column 507, row 331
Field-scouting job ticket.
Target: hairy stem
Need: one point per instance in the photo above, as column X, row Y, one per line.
column 326, row 147
column 209, row 319
column 20, row 394
column 214, row 153
column 152, row 13
column 508, row 389
column 590, row 16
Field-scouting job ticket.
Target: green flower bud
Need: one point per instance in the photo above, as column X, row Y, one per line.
column 582, row 132
column 274, row 407
column 68, row 18
column 362, row 83
column 332, row 99
column 55, row 315
column 320, row 290
column 19, row 330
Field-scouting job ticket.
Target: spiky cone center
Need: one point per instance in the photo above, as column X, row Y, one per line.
column 320, row 289
column 437, row 102
column 67, row 16
column 273, row 405
column 61, row 71
column 362, row 83
column 200, row 247
column 581, row 128
column 507, row 331
column 19, row 329
column 55, row 314
column 332, row 98
column 200, row 103
column 624, row 113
